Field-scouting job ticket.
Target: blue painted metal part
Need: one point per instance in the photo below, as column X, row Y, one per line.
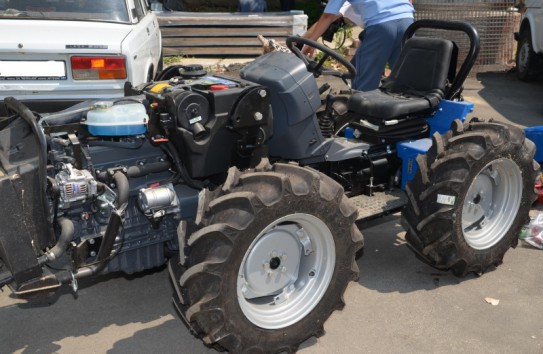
column 446, row 113
column 535, row 134
column 408, row 151
column 439, row 122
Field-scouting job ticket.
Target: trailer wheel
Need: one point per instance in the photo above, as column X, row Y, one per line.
column 271, row 261
column 471, row 196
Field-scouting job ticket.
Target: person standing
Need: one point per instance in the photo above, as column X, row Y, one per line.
column 384, row 22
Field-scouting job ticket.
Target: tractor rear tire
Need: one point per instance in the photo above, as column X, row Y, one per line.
column 470, row 196
column 271, row 258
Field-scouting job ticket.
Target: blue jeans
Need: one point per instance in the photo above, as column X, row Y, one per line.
column 252, row 5
column 379, row 44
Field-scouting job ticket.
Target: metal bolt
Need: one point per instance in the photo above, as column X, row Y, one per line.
column 244, row 289
column 91, row 241
column 274, row 254
column 284, row 256
column 283, row 269
column 258, row 116
column 93, row 254
column 262, row 93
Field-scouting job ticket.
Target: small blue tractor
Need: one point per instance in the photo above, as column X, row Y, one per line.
column 254, row 188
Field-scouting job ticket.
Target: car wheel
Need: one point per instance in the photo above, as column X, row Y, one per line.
column 526, row 59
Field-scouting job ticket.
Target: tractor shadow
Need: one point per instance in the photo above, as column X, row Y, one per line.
column 388, row 265
column 116, row 312
column 502, row 96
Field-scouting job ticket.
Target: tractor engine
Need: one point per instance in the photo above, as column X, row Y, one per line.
column 104, row 184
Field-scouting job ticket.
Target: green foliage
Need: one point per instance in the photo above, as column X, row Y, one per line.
column 173, row 59
column 312, row 8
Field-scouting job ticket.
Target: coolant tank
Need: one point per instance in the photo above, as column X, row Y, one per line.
column 108, row 119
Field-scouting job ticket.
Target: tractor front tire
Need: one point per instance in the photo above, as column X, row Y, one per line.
column 273, row 254
column 470, row 196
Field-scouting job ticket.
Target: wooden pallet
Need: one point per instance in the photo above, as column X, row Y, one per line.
column 225, row 34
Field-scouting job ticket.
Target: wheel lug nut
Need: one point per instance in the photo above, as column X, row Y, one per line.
column 283, row 269
column 274, row 254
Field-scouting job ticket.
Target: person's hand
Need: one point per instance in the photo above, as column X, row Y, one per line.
column 308, row 51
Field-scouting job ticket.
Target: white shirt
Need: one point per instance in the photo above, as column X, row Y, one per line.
column 348, row 12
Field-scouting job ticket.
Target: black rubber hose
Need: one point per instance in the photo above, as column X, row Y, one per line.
column 67, row 231
column 123, row 188
column 113, row 229
column 140, row 171
column 104, row 253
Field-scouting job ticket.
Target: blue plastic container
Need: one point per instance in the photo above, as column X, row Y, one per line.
column 117, row 120
column 408, row 151
column 535, row 134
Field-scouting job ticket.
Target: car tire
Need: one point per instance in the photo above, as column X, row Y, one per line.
column 527, row 60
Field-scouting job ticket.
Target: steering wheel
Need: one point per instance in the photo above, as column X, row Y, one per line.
column 317, row 68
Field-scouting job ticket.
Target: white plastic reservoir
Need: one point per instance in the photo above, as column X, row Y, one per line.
column 108, row 119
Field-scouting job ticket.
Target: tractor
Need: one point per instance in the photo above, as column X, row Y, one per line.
column 253, row 189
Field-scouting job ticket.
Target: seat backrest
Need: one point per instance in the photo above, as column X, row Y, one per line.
column 422, row 68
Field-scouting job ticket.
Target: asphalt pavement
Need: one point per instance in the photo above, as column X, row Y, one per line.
column 399, row 304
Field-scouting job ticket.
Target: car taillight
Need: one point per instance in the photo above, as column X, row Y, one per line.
column 98, row 68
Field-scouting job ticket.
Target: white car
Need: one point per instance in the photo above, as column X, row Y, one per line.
column 54, row 53
column 530, row 42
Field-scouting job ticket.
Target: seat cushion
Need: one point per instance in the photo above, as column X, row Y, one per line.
column 382, row 105
column 415, row 86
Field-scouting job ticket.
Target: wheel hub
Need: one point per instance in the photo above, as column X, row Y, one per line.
column 272, row 263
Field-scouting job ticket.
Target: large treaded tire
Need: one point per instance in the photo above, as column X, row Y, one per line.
column 236, row 222
column 492, row 157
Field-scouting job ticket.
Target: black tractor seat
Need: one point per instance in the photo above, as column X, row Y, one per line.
column 413, row 90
